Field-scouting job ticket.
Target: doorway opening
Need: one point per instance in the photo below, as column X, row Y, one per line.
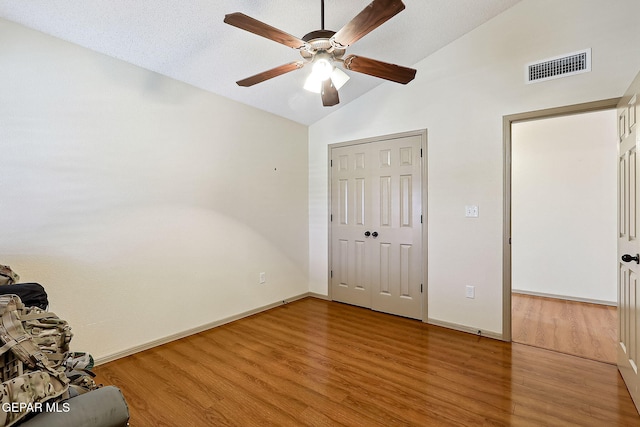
column 560, row 230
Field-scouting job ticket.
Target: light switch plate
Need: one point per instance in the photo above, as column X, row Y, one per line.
column 471, row 211
column 470, row 292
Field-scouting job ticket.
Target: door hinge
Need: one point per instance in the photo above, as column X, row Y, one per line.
column 421, row 152
column 509, row 240
column 332, row 274
column 420, row 287
column 420, row 219
column 331, row 163
column 331, row 220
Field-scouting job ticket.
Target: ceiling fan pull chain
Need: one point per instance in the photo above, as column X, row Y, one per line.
column 322, row 14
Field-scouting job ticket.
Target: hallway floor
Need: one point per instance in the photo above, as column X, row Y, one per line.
column 577, row 328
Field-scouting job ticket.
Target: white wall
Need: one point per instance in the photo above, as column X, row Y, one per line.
column 563, row 206
column 146, row 207
column 461, row 94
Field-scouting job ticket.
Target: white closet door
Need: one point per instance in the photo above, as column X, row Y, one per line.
column 376, row 240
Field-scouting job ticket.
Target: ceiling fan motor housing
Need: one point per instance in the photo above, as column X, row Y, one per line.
column 319, row 41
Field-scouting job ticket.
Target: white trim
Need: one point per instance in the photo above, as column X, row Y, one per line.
column 467, row 329
column 564, row 297
column 155, row 343
column 318, row 296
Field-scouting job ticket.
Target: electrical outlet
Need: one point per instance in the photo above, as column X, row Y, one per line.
column 263, row 277
column 471, row 292
column 471, row 211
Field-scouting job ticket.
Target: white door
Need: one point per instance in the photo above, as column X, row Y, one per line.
column 628, row 243
column 350, row 206
column 376, row 225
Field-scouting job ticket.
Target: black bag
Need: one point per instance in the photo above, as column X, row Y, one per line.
column 31, row 294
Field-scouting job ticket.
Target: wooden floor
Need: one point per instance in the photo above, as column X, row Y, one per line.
column 578, row 328
column 321, row 363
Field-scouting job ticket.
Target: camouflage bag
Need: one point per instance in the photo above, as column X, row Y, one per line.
column 7, row 275
column 34, row 360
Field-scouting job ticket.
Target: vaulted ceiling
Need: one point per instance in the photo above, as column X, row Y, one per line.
column 188, row 41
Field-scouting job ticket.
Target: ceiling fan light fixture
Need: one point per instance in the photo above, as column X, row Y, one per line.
column 339, row 78
column 322, row 67
column 314, row 84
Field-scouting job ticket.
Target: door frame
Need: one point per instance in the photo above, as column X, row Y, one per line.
column 422, row 133
column 507, row 121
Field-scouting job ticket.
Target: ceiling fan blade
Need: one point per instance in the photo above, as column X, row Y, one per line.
column 269, row 74
column 329, row 94
column 254, row 26
column 371, row 17
column 383, row 70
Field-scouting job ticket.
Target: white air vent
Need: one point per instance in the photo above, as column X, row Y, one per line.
column 560, row 66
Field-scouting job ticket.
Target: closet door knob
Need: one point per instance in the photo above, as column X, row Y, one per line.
column 374, row 234
column 367, row 233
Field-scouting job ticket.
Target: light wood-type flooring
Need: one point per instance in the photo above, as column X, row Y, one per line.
column 320, row 363
column 578, row 328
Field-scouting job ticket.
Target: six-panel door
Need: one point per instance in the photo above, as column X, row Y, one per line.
column 376, row 239
column 628, row 243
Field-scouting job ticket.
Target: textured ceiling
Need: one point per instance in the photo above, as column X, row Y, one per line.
column 188, row 41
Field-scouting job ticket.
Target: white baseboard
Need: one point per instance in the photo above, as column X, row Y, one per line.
column 564, row 297
column 467, row 329
column 205, row 327
column 198, row 329
column 318, row 296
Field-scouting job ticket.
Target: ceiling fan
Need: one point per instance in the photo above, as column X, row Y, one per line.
column 323, row 48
